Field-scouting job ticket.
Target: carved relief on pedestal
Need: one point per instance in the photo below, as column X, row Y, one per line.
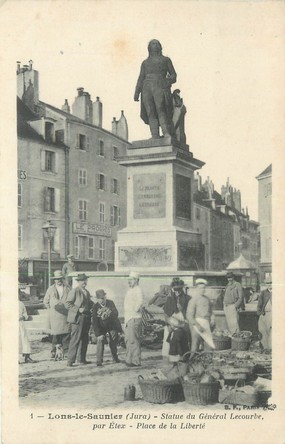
column 158, row 256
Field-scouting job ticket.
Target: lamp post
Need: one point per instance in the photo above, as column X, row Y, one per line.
column 49, row 230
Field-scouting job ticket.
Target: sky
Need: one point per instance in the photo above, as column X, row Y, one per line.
column 226, row 54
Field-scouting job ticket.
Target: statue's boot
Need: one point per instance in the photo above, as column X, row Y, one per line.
column 154, row 129
column 165, row 129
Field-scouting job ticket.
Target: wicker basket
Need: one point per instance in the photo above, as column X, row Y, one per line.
column 241, row 344
column 161, row 392
column 201, row 394
column 238, row 398
column 258, row 399
column 222, row 343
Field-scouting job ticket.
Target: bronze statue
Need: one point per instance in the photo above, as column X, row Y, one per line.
column 154, row 83
column 178, row 118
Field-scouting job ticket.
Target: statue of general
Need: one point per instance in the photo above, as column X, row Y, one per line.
column 154, row 84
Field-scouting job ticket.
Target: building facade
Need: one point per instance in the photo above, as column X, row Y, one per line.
column 225, row 227
column 265, row 221
column 68, row 173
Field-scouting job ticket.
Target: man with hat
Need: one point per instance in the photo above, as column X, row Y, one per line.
column 105, row 320
column 79, row 305
column 264, row 311
column 175, row 313
column 233, row 300
column 200, row 317
column 54, row 300
column 69, row 267
column 133, row 320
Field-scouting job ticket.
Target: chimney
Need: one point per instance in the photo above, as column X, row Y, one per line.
column 98, row 113
column 122, row 127
column 28, row 80
column 65, row 107
column 114, row 125
column 82, row 106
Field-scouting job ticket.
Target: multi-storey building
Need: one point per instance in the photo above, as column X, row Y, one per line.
column 68, row 172
column 41, row 194
column 226, row 228
column 264, row 216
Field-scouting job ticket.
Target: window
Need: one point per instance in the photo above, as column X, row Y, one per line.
column 101, row 182
column 20, row 190
column 59, row 136
column 115, row 215
column 82, row 177
column 49, row 201
column 102, row 212
column 101, row 150
column 48, row 161
column 82, row 142
column 115, row 153
column 49, row 132
column 102, row 248
column 82, row 209
column 115, row 187
column 20, row 237
column 81, row 247
column 91, row 247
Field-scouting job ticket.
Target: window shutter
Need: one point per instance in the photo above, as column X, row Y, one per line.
column 105, row 183
column 45, row 190
column 56, row 162
column 98, row 181
column 57, row 200
column 118, row 187
column 119, row 216
column 112, row 215
column 98, row 147
column 43, row 160
column 77, row 141
column 87, row 144
column 112, row 186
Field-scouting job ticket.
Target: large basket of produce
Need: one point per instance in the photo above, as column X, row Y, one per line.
column 161, row 391
column 200, row 390
column 241, row 340
column 221, row 340
column 246, row 396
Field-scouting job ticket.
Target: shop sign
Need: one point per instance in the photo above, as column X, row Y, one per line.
column 22, row 175
column 92, row 229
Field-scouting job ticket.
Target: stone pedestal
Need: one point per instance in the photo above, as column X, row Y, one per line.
column 159, row 235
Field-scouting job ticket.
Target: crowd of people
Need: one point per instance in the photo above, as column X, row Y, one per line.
column 189, row 320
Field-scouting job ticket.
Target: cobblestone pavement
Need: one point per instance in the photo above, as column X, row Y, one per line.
column 48, row 383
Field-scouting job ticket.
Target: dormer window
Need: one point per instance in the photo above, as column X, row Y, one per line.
column 49, row 132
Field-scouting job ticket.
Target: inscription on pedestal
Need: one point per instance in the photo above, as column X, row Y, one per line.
column 159, row 256
column 149, row 196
